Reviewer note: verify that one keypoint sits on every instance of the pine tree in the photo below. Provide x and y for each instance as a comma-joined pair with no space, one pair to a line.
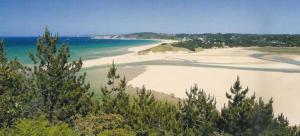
244,115
143,113
114,98
280,127
13,89
262,117
108,91
3,58
236,118
106,100
166,118
112,76
237,94
61,91
198,113
122,99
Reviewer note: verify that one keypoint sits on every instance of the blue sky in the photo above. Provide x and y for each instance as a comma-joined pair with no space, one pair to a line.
77,17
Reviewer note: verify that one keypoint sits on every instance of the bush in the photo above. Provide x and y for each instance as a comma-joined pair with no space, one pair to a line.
117,132
38,127
95,124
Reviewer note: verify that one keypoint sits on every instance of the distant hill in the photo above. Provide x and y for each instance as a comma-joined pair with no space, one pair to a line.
210,40
142,35
150,35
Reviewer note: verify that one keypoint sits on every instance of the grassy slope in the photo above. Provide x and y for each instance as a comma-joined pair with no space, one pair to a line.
163,48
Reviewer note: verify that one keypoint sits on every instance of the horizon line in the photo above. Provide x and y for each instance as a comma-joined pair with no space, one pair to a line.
90,35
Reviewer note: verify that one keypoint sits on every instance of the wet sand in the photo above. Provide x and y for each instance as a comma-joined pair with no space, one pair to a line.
97,76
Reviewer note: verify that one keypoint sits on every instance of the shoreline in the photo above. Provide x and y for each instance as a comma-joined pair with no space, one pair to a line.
132,56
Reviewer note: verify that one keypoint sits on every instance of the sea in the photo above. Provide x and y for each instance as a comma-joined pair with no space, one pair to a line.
80,47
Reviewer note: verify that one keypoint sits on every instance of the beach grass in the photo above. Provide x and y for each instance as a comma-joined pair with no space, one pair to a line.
278,50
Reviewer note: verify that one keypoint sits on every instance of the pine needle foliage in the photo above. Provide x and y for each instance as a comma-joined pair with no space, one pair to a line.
14,89
199,113
62,93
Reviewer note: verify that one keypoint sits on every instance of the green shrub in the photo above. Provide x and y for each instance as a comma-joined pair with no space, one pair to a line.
38,127
117,132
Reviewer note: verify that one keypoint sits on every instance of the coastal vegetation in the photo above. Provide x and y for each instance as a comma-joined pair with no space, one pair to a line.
237,40
164,47
53,98
278,50
228,39
194,42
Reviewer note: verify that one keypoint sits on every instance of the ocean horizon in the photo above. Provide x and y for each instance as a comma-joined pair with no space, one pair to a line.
85,48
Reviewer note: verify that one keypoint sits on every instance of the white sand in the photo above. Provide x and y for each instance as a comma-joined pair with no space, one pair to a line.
283,87
129,57
219,73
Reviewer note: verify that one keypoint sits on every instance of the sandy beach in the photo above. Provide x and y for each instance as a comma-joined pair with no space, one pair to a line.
133,56
215,70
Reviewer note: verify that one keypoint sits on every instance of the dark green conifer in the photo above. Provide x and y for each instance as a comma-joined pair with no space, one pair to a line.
3,58
198,113
143,111
237,94
280,127
109,90
61,91
114,97
122,99
244,116
166,118
112,76
14,89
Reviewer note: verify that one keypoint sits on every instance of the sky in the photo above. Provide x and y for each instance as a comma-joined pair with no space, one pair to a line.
81,17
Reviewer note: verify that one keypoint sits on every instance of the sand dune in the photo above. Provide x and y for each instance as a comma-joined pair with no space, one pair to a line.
283,87
215,70
140,48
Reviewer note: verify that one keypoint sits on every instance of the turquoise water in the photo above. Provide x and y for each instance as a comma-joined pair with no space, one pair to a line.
83,47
